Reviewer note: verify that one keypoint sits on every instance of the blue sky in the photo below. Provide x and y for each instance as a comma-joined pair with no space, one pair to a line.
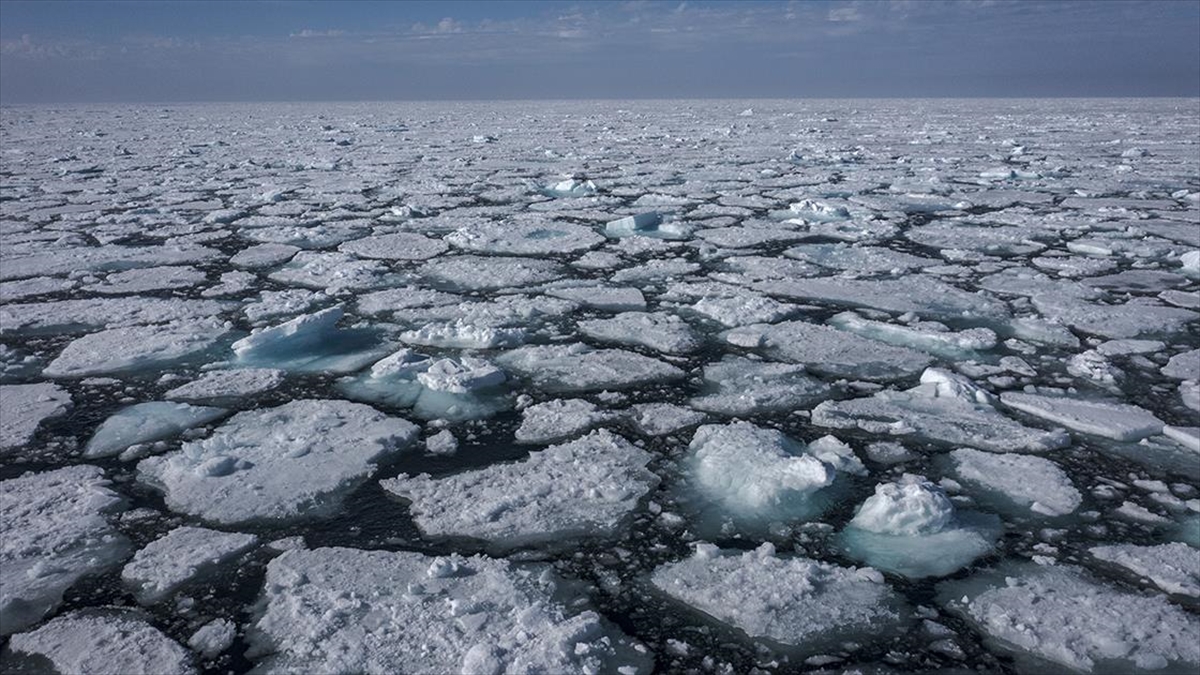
60,51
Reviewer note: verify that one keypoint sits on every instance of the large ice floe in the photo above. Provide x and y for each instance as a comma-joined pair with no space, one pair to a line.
585,487
57,527
946,408
791,600
936,338
911,527
292,461
348,610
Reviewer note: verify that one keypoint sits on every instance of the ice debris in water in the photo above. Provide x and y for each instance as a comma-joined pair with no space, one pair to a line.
582,488
341,609
105,642
792,600
1060,614
56,528
559,419
910,527
462,388
169,562
146,422
829,351
295,460
945,407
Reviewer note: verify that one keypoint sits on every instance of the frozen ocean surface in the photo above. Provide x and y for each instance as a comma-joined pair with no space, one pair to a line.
601,387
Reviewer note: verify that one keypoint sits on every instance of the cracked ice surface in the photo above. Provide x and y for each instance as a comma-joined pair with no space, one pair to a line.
205,288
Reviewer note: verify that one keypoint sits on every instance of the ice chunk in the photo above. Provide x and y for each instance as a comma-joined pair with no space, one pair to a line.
311,343
111,642
921,295
136,348
910,527
559,419
287,462
213,638
648,224
457,389
792,600
333,272
65,260
25,406
341,609
1060,614
1124,347
533,239
568,368
181,555
927,336
582,488
736,385
146,422
660,419
1188,437
659,331
570,187
945,407
1023,481
1118,421
757,474
1173,567
227,386
264,255
1129,320
396,246
742,309
829,351
56,528
442,443
463,334
1185,366
861,259
150,279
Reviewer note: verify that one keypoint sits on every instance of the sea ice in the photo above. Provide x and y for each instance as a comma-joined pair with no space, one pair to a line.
146,422
927,336
136,348
569,368
396,246
213,638
606,298
460,388
926,297
532,239
1185,366
792,600
1023,482
378,612
1059,614
479,273
1173,567
582,488
656,330
105,642
1118,421
25,407
310,343
946,408
176,558
56,528
910,527
829,351
227,387
660,419
559,419
287,462
736,385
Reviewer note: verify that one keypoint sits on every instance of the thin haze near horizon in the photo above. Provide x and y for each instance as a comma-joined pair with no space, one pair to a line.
106,51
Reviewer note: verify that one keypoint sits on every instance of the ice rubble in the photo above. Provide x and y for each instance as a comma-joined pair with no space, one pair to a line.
736,385
570,187
910,527
310,343
25,407
460,388
1060,615
105,642
1118,421
136,348
1020,483
791,600
757,475
291,461
347,610
659,331
829,351
146,422
577,367
582,488
171,561
1173,567
946,408
57,528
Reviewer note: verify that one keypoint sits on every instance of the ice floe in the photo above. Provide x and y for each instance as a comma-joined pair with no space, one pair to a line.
178,557
460,388
736,385
137,348
583,488
311,343
105,642
26,406
568,368
295,460
1118,421
1174,567
227,387
829,351
146,422
658,331
1019,482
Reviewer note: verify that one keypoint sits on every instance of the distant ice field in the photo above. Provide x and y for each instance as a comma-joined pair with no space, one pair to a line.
601,387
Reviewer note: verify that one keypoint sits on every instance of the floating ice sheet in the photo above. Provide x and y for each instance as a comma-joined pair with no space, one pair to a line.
1020,482
106,642
136,348
178,557
568,368
829,351
736,385
25,407
1118,421
146,422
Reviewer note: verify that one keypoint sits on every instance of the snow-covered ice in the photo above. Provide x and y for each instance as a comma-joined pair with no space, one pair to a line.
1019,481
105,642
167,563
1173,567
25,407
570,368
146,422
136,348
